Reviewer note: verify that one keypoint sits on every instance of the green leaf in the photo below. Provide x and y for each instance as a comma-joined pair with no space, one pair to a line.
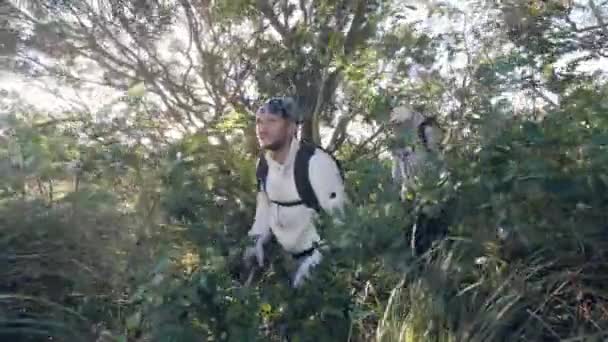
134,321
137,90
563,187
548,71
532,132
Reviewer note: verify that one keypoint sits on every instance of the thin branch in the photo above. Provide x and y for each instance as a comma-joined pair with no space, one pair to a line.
170,93
264,7
339,133
189,57
304,12
318,105
591,28
355,26
285,7
194,26
149,76
532,85
359,148
598,16
55,71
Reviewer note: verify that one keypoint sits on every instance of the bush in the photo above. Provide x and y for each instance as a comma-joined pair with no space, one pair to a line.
522,261
524,257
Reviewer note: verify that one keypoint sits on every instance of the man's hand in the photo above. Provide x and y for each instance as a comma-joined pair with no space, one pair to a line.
305,267
256,250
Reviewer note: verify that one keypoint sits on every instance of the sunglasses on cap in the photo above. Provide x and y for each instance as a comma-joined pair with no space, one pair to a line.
277,106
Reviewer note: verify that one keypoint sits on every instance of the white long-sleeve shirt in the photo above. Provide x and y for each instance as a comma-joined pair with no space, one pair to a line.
293,226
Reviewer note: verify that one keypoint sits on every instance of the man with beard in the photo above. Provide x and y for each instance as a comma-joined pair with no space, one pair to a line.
296,181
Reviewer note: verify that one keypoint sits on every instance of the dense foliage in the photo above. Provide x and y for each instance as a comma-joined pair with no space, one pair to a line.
123,218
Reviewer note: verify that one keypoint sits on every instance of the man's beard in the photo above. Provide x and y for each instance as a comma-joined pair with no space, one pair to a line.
275,145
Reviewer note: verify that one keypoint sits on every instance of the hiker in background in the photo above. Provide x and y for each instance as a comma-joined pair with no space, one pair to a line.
296,181
417,145
417,162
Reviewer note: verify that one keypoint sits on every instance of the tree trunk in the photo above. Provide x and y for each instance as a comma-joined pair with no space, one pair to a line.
51,190
309,128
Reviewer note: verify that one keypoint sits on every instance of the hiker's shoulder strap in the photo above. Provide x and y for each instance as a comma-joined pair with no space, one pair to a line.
302,175
302,172
261,172
422,135
331,155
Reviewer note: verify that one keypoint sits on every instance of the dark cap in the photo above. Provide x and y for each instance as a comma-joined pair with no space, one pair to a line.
283,106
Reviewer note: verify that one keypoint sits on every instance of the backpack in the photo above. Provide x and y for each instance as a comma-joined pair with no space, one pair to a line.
303,186
428,122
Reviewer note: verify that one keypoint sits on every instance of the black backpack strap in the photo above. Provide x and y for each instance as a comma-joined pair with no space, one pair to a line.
338,164
301,175
261,172
429,121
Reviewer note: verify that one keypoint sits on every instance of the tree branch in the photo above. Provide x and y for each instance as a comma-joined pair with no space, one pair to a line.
304,12
598,16
339,133
354,31
532,85
360,147
264,7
